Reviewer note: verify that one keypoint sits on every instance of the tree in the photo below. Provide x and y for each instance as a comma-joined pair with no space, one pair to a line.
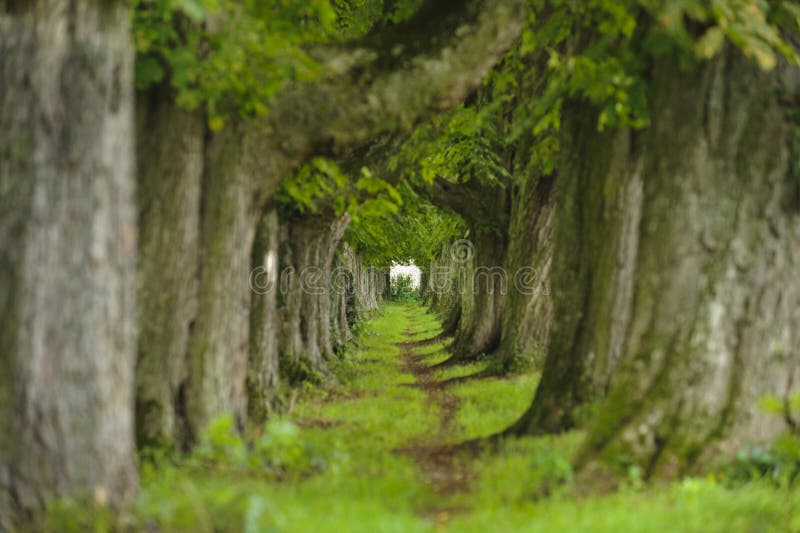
674,251
484,284
305,342
459,159
527,308
367,88
713,304
68,241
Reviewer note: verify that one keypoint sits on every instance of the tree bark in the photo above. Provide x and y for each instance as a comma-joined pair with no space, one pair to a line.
715,317
597,197
238,178
67,256
305,305
673,273
480,262
527,308
342,304
171,161
484,289
424,294
370,285
262,370
445,289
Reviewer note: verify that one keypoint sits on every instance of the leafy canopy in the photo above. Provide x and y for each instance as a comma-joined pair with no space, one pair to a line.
230,57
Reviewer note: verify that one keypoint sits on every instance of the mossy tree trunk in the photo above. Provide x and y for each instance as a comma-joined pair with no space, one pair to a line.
67,256
342,308
595,236
344,276
424,294
527,308
370,284
200,205
480,264
445,286
715,315
232,202
171,162
482,295
689,311
304,307
355,291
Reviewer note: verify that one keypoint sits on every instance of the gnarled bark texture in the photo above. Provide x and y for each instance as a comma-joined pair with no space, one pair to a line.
369,282
597,196
445,284
343,303
67,255
355,290
233,197
481,261
482,295
715,317
681,245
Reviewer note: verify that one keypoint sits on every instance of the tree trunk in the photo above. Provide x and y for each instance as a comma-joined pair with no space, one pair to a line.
370,285
715,314
67,256
445,288
527,309
476,266
307,256
424,295
484,289
262,370
239,177
170,149
673,276
344,277
595,235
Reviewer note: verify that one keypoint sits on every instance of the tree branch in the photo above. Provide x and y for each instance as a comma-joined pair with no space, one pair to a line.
473,201
393,78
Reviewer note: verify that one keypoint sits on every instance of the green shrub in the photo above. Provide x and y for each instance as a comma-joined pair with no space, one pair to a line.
401,289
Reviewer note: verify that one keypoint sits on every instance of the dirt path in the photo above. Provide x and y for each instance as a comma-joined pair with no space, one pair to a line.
443,461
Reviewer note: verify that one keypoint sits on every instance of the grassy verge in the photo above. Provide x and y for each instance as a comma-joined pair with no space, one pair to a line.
343,461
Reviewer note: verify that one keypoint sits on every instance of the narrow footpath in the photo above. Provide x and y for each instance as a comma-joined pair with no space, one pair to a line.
390,433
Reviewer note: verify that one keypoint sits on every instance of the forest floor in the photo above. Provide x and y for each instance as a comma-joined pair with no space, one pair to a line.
381,451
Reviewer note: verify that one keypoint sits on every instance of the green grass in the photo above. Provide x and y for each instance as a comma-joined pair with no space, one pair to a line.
339,462
488,406
693,505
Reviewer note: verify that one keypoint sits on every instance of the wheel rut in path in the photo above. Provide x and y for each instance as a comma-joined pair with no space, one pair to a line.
442,460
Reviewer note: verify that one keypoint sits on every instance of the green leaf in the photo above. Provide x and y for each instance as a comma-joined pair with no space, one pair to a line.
148,72
710,44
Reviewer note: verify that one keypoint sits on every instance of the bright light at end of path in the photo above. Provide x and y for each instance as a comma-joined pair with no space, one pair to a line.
406,270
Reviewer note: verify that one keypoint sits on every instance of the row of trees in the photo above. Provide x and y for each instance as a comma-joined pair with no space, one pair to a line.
654,206
642,167
131,219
